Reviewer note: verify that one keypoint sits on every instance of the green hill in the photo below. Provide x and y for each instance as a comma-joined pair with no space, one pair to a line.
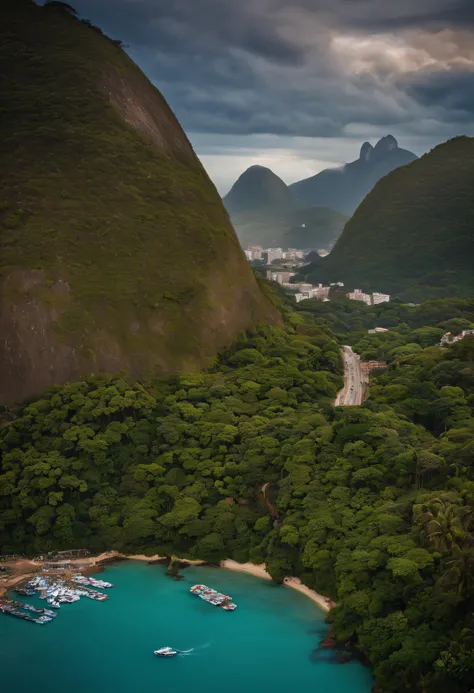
264,212
117,252
258,190
413,235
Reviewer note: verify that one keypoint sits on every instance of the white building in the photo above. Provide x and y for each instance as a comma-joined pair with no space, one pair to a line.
273,254
377,329
254,252
380,298
358,295
280,277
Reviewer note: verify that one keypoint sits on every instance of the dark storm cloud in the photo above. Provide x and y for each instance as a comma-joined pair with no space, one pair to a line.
452,92
302,68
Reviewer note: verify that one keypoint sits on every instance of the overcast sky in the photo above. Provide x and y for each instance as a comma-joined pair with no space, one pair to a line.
298,85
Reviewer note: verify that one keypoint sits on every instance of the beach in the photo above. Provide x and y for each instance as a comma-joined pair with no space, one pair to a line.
156,557
259,570
24,568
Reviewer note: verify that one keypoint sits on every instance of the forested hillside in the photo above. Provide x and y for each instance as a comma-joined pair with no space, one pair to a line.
375,502
116,250
412,235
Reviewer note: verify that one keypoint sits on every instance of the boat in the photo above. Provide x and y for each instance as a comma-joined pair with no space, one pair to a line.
165,652
208,594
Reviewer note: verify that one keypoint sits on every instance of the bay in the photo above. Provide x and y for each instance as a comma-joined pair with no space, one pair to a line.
267,643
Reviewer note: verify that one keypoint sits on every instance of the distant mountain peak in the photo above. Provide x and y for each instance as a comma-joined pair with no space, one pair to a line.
386,144
345,191
258,188
366,151
257,167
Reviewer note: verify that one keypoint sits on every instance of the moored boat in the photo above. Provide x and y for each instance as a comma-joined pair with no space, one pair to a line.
208,594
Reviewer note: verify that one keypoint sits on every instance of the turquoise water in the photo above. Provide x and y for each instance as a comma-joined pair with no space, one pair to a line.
94,647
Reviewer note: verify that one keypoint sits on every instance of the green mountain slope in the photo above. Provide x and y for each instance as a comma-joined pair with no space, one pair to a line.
413,235
117,252
258,190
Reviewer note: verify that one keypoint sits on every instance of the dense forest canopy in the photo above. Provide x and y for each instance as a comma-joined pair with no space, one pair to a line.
375,502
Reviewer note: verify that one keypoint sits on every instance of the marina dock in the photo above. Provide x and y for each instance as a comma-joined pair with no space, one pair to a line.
56,591
27,612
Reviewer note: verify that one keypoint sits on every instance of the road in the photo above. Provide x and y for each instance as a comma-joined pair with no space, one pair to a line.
271,508
354,388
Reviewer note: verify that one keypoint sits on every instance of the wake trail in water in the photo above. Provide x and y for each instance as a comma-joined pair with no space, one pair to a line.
193,649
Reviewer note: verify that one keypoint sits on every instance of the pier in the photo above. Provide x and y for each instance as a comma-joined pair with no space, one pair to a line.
26,611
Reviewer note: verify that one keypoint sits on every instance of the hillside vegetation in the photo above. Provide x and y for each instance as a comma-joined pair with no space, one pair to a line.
375,503
413,235
116,251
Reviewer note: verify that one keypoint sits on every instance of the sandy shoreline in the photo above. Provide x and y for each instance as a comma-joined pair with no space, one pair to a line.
258,570
292,582
24,568
156,557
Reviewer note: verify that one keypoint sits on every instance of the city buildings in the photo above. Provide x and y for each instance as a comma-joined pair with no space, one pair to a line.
369,299
284,261
254,252
271,254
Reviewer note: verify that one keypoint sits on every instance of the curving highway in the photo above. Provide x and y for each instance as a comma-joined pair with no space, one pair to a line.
353,391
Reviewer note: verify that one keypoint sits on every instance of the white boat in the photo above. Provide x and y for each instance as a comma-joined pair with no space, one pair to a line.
165,652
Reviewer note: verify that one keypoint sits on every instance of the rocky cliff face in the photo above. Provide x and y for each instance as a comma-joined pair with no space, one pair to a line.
117,253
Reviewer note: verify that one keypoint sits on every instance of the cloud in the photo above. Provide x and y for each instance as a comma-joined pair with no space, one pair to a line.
300,69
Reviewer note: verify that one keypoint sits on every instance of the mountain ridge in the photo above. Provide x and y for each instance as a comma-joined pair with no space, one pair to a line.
117,251
344,188
413,235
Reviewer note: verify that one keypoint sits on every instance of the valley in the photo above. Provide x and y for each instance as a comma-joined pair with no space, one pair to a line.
302,411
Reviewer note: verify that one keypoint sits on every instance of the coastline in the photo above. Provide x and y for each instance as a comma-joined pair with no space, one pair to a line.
257,570
156,557
294,583
24,568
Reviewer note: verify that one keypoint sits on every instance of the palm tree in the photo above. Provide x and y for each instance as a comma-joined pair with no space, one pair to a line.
460,571
448,524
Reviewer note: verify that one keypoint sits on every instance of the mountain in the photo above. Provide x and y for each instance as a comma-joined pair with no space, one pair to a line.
258,189
263,212
344,188
413,235
117,253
